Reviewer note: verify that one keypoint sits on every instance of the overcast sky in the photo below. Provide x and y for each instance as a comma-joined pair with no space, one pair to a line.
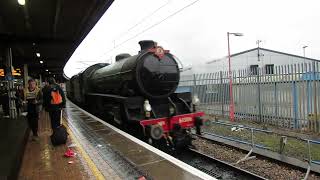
196,30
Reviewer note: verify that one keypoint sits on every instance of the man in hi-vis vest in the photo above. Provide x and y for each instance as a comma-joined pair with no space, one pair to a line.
33,98
54,101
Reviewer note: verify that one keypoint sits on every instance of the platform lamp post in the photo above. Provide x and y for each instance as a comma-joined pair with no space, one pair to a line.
304,61
314,78
304,52
231,105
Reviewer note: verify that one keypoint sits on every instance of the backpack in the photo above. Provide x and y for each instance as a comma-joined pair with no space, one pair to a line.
59,136
56,97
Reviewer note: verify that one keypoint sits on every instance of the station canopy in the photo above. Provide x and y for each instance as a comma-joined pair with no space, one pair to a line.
52,28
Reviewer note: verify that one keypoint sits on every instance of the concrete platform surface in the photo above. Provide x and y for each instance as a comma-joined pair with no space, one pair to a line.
44,161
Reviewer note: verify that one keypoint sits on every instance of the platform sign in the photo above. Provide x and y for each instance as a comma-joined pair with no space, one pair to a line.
15,72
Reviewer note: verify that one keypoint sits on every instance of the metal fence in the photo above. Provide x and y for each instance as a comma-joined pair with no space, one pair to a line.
286,96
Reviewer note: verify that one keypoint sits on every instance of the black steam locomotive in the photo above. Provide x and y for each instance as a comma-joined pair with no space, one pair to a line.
137,93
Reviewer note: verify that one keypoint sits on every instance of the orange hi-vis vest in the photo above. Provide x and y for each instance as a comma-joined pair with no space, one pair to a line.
56,97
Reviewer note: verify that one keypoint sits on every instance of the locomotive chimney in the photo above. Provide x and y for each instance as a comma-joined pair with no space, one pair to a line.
147,44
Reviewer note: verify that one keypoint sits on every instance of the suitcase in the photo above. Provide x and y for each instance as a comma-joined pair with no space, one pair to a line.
59,136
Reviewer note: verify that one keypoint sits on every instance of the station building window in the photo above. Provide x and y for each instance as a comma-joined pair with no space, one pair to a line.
269,68
254,69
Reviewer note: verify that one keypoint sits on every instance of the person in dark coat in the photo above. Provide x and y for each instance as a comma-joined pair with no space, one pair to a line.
19,99
45,91
53,104
4,100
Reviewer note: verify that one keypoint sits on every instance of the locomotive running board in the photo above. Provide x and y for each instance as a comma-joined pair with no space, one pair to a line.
117,97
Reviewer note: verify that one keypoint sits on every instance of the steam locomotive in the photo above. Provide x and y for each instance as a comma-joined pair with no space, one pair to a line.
137,93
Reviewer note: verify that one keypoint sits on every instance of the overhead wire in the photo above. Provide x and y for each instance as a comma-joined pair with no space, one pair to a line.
142,20
137,24
152,26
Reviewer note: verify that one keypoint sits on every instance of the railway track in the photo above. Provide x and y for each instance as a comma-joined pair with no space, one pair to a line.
215,167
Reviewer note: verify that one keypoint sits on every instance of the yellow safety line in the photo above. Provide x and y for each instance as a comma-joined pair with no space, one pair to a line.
96,172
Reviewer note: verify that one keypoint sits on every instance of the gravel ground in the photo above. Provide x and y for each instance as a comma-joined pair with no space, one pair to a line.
294,147
260,166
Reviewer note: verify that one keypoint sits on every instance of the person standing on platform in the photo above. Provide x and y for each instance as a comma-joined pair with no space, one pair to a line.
45,90
54,101
4,100
33,98
19,99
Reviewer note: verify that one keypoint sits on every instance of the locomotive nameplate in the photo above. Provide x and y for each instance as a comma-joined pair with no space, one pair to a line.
185,119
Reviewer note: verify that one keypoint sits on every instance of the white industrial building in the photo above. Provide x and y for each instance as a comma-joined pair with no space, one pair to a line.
252,59
276,87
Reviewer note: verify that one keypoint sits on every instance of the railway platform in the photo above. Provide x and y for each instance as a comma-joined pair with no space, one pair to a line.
101,152
41,160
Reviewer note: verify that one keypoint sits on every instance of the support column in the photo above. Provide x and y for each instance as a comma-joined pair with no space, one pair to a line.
11,89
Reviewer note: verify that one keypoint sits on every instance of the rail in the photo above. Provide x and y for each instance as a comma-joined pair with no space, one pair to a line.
243,172
253,145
